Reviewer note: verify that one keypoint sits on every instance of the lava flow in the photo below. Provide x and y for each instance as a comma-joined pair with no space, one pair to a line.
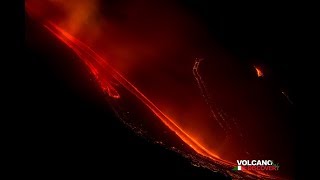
102,71
106,76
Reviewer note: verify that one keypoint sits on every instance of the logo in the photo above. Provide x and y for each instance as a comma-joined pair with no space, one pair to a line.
256,165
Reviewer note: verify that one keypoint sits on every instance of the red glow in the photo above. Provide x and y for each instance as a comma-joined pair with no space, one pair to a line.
259,72
105,75
103,71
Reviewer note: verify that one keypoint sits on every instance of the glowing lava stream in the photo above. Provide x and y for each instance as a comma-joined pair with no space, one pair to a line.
100,68
104,73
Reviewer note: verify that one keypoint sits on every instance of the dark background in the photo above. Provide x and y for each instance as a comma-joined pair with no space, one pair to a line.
74,133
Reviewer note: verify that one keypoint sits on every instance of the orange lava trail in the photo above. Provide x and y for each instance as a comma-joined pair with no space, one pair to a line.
219,114
104,73
100,68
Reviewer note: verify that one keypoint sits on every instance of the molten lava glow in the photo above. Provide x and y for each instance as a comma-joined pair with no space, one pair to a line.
102,71
106,76
258,71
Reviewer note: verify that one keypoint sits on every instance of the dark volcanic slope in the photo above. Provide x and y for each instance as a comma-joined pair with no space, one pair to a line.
75,133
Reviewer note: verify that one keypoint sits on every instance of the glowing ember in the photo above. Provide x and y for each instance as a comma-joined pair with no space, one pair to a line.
259,72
